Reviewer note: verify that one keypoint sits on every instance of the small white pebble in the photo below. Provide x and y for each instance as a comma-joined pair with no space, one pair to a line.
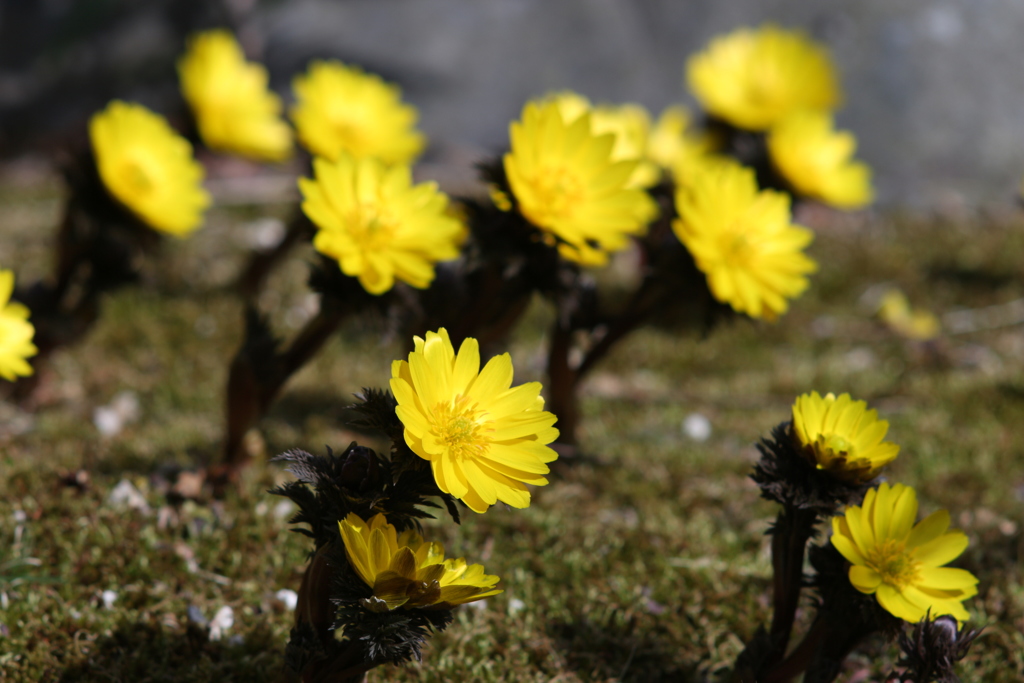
107,421
125,494
284,509
289,597
221,622
19,516
515,606
264,233
108,597
697,427
123,409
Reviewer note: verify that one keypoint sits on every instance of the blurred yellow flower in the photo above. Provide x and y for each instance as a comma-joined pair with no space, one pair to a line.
16,332
842,436
485,439
405,571
377,224
566,181
816,160
148,167
234,110
341,108
753,78
895,311
742,240
900,563
672,138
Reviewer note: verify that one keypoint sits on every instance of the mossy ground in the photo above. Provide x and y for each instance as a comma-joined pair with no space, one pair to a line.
645,561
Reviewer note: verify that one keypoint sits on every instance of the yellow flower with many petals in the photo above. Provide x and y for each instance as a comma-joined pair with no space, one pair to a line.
567,182
485,439
16,332
900,563
405,571
341,108
816,160
377,224
234,110
742,240
754,78
148,167
842,436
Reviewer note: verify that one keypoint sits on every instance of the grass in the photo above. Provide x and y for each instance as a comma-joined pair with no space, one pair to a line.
647,561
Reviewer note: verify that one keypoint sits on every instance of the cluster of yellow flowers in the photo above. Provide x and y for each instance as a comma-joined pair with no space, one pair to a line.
783,83
899,562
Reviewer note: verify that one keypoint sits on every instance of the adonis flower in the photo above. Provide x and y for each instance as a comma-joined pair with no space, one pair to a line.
816,160
566,181
842,436
377,224
16,332
754,78
742,240
234,109
341,108
484,438
405,571
900,563
148,167
913,323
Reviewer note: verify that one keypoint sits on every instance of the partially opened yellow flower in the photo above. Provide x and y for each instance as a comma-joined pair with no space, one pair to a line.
567,182
912,323
742,240
485,439
405,571
817,160
341,108
16,332
753,78
900,563
235,111
842,436
377,224
148,167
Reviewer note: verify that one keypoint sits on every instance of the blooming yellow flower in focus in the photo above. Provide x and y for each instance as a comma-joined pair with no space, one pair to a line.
485,439
900,563
341,108
16,332
148,167
567,182
816,160
234,110
377,224
753,78
842,436
405,571
742,240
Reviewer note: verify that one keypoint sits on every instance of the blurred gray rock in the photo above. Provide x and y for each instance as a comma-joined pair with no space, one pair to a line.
935,88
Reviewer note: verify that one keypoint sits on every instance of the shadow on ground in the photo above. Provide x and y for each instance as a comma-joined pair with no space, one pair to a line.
145,652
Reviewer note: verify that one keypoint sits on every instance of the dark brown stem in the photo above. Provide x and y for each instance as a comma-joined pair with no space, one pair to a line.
798,660
262,263
563,381
793,528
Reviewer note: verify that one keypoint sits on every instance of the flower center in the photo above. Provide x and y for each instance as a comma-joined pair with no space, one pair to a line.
896,566
136,178
460,427
734,245
836,443
372,227
558,191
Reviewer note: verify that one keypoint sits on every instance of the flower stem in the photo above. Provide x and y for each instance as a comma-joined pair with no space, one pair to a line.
793,529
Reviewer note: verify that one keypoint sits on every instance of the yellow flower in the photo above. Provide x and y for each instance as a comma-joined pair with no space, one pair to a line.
405,571
148,167
16,332
341,108
816,160
377,224
234,109
896,313
485,439
753,78
567,182
673,142
742,240
900,563
629,123
842,436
